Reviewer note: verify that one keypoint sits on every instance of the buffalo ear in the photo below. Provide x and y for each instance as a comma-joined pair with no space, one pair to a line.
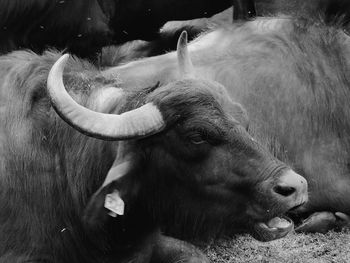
95,215
100,209
184,60
107,205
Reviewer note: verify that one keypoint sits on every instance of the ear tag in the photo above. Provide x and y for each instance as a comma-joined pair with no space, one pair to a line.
114,204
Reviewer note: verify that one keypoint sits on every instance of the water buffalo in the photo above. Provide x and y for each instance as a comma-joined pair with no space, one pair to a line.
330,10
291,75
183,153
170,32
84,26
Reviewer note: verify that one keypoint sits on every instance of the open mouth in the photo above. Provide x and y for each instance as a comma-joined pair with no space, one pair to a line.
277,223
275,228
278,226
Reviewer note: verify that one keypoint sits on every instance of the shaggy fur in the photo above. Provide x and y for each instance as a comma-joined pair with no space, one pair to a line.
48,170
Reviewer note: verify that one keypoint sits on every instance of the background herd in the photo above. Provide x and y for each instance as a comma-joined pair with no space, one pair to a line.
139,140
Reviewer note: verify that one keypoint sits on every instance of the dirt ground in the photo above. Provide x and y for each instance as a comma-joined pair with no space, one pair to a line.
295,248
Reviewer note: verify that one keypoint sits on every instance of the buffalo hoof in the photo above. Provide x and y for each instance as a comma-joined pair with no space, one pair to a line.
343,220
273,229
321,222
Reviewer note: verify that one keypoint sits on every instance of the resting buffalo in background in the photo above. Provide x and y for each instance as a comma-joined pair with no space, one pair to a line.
170,32
333,12
84,26
292,77
184,153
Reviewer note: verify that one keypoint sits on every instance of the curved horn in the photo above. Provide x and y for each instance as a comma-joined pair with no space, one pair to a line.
184,60
141,122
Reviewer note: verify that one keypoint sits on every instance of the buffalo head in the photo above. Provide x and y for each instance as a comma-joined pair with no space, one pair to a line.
186,155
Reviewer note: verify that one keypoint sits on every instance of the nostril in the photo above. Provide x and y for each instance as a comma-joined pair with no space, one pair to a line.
284,190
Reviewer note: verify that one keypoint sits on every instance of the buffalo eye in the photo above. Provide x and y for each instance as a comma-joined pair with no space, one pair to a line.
197,138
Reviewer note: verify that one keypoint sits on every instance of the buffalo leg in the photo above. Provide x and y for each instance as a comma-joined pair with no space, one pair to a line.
171,250
322,222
